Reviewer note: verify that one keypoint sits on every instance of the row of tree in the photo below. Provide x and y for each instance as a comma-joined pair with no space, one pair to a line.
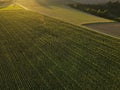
110,10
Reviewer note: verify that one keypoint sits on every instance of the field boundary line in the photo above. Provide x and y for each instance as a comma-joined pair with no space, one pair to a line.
22,6
82,25
99,32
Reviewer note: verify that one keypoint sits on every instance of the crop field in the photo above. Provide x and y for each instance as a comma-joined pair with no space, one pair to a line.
61,11
11,7
42,53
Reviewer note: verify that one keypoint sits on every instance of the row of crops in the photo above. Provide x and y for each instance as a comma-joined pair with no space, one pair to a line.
41,53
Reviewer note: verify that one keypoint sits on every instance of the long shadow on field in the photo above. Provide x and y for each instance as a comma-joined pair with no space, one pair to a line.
49,3
44,3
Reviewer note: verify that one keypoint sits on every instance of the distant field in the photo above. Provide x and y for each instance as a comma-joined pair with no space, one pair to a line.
108,28
41,53
60,11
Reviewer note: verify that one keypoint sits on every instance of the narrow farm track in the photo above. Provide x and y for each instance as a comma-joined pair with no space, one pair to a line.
41,53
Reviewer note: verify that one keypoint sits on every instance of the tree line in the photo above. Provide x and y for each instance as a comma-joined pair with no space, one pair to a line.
110,10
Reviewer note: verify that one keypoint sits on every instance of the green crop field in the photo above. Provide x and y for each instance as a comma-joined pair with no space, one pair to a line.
41,53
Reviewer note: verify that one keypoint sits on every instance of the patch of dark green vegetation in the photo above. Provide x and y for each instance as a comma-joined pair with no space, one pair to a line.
41,53
110,10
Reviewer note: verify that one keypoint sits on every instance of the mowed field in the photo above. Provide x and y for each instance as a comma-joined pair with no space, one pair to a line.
41,53
108,28
60,10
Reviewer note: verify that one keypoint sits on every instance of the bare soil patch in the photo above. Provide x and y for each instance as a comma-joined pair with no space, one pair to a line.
108,28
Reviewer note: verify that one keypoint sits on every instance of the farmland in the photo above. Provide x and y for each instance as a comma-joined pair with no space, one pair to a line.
57,9
108,28
41,53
